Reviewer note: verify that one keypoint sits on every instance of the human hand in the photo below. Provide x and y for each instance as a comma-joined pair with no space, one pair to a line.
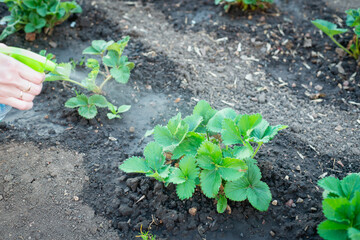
19,84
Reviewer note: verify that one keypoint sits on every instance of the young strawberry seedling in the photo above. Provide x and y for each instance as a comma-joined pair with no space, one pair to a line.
210,149
113,65
341,207
331,29
35,15
244,4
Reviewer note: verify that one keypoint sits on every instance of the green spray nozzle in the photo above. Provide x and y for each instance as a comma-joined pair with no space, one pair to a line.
35,61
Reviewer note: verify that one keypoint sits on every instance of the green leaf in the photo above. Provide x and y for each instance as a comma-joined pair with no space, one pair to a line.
98,100
354,233
264,133
193,121
246,123
100,45
188,146
88,112
215,123
29,28
331,230
78,101
134,165
188,172
177,176
338,209
350,184
332,185
353,17
92,63
172,135
119,46
208,155
112,59
249,186
32,4
185,190
328,28
237,190
123,108
221,204
204,110
232,169
230,133
210,182
42,10
121,74
113,116
259,196
355,203
153,153
149,132
243,152
91,51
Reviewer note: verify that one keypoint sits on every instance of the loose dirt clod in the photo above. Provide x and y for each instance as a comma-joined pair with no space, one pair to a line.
192,211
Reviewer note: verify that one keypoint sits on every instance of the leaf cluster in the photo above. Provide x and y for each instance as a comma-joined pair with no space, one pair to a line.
34,15
341,207
331,29
211,149
244,4
112,65
87,106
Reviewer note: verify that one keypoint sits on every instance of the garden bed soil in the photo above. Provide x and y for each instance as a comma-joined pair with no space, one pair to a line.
59,177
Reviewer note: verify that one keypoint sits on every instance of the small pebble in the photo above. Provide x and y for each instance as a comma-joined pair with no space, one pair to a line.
8,178
275,202
1,197
299,200
272,233
192,211
338,128
313,209
318,87
287,177
298,168
132,129
76,198
289,203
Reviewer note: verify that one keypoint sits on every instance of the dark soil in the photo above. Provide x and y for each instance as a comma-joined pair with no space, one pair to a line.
188,50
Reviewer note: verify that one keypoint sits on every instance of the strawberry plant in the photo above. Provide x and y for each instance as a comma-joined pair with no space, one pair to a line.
244,4
212,150
341,207
112,66
331,29
35,15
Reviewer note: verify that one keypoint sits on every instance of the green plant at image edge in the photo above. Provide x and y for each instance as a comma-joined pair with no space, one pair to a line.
341,207
36,15
331,29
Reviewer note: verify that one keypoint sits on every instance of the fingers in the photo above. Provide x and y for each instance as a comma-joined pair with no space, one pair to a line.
27,86
11,68
14,92
30,74
16,103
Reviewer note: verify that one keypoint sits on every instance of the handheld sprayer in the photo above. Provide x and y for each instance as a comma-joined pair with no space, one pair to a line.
35,61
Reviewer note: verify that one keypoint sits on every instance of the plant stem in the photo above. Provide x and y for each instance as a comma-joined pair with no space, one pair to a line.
108,78
74,82
257,149
357,47
341,46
